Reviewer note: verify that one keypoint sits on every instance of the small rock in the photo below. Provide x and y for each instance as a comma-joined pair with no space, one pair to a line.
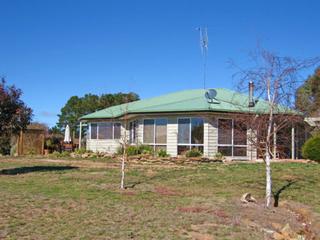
301,237
277,236
288,233
276,226
246,198
268,231
85,155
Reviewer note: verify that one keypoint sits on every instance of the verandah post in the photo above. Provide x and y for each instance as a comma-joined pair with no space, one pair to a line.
80,135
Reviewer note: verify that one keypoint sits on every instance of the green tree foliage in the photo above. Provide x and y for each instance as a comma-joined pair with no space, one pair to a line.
79,106
14,115
308,95
311,148
54,131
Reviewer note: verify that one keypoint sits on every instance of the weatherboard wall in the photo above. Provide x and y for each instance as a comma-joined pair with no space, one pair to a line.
99,145
212,137
172,136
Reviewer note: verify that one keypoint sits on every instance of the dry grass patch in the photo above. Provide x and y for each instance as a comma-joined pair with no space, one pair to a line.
160,202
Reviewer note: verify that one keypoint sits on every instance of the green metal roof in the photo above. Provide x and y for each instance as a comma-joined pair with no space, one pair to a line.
184,101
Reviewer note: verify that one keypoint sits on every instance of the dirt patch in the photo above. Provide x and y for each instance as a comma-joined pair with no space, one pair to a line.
289,221
220,213
128,193
165,191
200,236
217,212
193,209
308,218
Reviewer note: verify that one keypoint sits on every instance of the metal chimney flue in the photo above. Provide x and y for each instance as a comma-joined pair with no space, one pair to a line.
251,89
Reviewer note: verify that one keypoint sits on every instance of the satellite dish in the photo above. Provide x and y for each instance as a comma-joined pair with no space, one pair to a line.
211,96
212,93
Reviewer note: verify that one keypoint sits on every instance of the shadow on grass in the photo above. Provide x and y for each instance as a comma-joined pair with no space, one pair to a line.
132,185
24,170
277,194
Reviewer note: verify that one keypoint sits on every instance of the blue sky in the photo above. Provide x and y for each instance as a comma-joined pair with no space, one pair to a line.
56,49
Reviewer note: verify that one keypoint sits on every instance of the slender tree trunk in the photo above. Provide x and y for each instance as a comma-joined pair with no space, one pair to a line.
124,154
267,161
122,168
268,180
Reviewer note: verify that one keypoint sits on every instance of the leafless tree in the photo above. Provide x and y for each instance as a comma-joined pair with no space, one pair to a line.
275,79
124,144
122,114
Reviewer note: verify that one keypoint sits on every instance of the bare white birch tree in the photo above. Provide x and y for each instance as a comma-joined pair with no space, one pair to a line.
122,114
124,145
275,79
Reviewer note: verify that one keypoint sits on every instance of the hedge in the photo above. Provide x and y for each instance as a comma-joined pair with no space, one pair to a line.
311,148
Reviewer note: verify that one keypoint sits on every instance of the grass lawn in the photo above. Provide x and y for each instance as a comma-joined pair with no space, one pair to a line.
58,200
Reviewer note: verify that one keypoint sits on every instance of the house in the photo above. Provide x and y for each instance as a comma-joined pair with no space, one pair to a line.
313,121
205,119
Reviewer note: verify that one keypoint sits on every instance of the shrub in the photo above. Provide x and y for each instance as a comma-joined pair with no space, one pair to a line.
57,154
53,143
80,151
31,152
311,148
145,149
218,156
4,145
136,150
162,153
193,153
132,150
65,154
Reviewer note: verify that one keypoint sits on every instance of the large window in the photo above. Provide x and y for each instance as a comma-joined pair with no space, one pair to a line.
155,133
93,130
133,131
190,134
105,130
116,130
232,138
148,131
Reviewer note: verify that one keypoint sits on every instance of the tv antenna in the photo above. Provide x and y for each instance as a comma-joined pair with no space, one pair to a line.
204,51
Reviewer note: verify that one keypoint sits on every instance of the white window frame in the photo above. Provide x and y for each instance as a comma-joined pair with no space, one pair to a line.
190,145
232,145
154,144
113,123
